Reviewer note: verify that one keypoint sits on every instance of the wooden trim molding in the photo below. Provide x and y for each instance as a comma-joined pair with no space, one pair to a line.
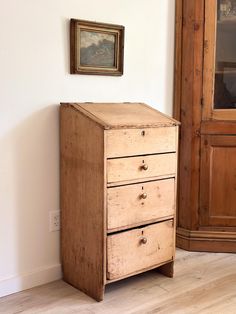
219,127
206,240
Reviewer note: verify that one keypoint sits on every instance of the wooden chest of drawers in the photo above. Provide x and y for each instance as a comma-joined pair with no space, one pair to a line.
118,190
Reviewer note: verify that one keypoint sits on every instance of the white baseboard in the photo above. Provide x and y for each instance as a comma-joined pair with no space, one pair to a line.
29,280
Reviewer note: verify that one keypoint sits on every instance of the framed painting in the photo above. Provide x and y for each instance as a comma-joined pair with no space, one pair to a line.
96,48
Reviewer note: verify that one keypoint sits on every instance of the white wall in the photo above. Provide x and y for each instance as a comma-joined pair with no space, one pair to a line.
34,79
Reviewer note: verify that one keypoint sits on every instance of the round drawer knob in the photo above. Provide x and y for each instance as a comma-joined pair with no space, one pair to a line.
143,196
145,167
143,240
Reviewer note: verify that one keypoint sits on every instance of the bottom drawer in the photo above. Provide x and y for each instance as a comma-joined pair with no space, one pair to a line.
139,249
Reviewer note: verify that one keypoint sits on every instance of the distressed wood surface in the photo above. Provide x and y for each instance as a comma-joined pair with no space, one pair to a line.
126,169
131,142
124,115
86,178
82,202
127,252
126,206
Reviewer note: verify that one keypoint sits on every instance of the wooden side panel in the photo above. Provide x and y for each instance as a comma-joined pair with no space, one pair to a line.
218,181
138,255
82,202
191,94
130,142
125,169
126,205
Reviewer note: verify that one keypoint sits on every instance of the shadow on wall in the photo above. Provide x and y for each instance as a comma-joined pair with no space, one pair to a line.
34,191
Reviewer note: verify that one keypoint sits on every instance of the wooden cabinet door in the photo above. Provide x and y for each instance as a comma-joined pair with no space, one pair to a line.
218,181
219,73
218,127
205,103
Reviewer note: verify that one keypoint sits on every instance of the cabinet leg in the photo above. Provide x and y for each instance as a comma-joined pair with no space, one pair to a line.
93,290
98,295
167,269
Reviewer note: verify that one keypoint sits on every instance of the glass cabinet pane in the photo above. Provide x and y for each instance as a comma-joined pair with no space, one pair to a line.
225,66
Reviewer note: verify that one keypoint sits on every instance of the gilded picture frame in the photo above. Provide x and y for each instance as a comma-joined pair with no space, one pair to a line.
96,48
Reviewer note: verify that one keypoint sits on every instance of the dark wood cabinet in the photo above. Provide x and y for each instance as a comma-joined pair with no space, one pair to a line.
205,103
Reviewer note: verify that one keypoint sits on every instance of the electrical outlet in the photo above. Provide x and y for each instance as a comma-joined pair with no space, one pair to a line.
54,220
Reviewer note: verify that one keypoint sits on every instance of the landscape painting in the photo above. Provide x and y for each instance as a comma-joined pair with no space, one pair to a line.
96,48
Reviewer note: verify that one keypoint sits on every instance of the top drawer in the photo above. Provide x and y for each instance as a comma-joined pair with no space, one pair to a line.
131,142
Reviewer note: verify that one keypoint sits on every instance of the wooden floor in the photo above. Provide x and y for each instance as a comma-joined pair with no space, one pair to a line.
203,283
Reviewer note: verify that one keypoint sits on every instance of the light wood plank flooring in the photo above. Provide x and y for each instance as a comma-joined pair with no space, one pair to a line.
203,283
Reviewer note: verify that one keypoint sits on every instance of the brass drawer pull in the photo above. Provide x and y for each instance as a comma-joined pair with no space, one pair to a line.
143,196
145,167
143,240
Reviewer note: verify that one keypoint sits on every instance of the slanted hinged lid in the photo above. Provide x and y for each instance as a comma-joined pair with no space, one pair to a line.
124,115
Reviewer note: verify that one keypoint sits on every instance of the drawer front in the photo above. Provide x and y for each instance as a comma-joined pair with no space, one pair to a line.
139,249
133,168
134,204
130,142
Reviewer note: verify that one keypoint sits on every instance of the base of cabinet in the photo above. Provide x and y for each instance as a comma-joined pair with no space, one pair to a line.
98,294
206,241
167,269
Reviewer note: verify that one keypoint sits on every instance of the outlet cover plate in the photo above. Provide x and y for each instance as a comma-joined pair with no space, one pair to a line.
54,220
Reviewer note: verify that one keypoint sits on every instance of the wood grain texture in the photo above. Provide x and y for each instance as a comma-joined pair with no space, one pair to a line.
218,181
82,202
131,142
209,58
218,127
123,259
224,114
191,93
203,283
206,172
126,206
91,208
124,169
125,115
178,59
